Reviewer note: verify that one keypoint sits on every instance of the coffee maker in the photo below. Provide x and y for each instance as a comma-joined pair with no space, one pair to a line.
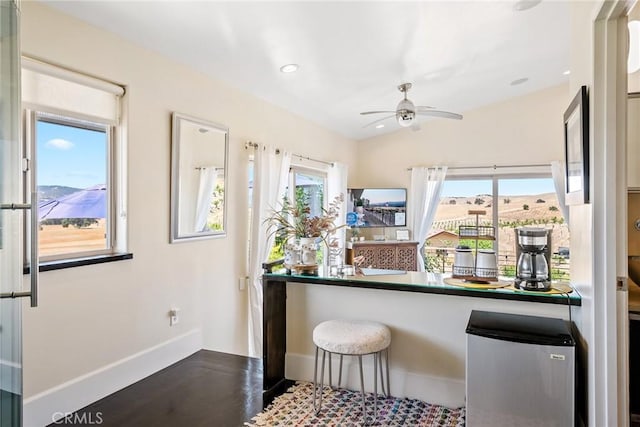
533,250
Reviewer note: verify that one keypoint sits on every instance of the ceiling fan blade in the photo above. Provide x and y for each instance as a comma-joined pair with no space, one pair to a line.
424,107
376,112
378,121
439,113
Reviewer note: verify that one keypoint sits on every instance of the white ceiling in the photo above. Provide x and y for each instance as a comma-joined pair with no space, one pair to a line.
459,55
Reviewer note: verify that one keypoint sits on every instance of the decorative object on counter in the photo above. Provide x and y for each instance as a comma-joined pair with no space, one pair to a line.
294,223
294,408
532,268
483,268
402,235
576,149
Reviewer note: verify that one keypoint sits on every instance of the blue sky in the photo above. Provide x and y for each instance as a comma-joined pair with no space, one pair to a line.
70,156
507,187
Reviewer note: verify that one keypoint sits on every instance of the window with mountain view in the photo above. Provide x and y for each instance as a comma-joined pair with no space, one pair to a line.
74,141
72,181
516,202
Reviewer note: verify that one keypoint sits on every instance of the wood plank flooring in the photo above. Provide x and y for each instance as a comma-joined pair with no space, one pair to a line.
205,389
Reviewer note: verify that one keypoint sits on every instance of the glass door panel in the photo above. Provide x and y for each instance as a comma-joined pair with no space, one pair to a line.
10,219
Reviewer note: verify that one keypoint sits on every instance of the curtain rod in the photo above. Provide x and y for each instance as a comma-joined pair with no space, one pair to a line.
494,167
255,145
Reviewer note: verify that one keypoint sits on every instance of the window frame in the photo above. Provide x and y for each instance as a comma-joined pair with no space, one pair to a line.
31,118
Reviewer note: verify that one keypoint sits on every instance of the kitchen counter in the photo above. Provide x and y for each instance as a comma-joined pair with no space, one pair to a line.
431,283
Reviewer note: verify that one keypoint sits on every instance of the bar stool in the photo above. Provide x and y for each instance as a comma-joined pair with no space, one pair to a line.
352,338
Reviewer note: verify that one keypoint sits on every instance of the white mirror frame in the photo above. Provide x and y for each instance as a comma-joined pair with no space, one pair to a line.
185,174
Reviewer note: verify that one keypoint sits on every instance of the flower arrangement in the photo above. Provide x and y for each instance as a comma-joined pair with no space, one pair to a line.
295,221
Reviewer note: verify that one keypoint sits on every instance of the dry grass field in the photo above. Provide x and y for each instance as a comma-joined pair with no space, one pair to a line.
453,212
55,239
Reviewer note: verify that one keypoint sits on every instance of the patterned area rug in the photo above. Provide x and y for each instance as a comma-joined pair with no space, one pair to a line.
344,408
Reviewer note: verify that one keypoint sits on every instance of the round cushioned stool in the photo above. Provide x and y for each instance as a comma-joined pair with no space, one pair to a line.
352,338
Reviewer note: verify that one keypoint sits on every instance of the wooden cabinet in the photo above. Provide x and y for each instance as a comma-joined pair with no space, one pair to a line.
392,255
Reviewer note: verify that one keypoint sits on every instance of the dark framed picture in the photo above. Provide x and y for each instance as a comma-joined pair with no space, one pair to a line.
576,149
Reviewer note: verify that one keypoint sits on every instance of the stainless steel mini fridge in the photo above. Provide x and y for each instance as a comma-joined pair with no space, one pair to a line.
520,371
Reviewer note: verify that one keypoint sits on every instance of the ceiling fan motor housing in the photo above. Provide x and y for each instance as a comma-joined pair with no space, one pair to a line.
405,113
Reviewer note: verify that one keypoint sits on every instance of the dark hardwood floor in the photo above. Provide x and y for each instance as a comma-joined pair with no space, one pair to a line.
206,389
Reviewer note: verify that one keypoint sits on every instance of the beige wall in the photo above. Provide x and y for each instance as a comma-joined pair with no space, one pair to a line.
92,316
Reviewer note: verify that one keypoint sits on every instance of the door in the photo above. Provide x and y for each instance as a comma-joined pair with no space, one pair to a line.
12,212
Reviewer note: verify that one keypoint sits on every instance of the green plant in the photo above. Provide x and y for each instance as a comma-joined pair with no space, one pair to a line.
294,220
525,207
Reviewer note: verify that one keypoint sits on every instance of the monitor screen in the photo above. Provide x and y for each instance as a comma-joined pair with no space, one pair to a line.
377,207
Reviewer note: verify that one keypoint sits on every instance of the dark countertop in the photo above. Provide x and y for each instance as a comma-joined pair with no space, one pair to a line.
432,283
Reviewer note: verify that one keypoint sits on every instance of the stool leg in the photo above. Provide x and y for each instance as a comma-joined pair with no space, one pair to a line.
324,353
340,372
386,351
379,364
364,407
315,380
376,356
330,374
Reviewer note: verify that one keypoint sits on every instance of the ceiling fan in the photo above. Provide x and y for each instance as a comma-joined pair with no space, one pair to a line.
406,111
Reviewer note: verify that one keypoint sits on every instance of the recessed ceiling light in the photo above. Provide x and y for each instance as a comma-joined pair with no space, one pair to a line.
522,5
380,126
566,73
289,68
519,81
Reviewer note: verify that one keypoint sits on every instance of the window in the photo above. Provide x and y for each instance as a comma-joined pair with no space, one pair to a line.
72,135
510,202
72,174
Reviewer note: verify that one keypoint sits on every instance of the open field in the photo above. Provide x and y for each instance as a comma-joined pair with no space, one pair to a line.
55,239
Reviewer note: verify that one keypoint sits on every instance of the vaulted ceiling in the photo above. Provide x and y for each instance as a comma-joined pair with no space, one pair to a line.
459,55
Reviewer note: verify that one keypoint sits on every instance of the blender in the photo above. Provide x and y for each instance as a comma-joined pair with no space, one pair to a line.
532,269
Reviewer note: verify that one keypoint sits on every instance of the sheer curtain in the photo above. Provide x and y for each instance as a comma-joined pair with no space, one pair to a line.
270,178
208,176
559,182
425,190
336,185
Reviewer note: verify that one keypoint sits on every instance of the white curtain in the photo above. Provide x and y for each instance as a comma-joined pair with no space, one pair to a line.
270,178
208,176
425,190
559,182
336,185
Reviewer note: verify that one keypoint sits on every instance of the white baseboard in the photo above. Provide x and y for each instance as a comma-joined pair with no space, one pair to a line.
448,392
53,404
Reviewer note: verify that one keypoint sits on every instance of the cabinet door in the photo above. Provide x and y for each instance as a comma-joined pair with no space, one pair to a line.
387,257
406,259
369,254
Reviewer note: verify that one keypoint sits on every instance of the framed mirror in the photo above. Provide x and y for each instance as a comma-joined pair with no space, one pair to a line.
199,151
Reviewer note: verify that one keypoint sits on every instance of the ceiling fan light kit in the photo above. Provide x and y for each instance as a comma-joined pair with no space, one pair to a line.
406,111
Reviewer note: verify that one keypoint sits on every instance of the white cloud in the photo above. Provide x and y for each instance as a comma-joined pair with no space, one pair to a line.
60,144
